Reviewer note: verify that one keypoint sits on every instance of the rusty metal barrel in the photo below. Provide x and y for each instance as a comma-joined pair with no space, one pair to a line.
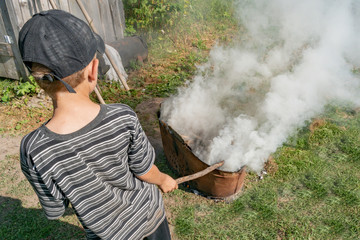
217,184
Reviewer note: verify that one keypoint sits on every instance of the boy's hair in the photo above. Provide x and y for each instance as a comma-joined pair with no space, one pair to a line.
38,71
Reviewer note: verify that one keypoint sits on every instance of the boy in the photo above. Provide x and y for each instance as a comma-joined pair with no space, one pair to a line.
94,156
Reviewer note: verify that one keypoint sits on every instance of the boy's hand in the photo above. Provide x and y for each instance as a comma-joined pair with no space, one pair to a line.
164,181
168,185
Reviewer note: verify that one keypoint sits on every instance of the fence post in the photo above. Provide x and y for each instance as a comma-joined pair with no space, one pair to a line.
7,9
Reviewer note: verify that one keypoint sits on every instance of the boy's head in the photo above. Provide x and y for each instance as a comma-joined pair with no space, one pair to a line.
58,45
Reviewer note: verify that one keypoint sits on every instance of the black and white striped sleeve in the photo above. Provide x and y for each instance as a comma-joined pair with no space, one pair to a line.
54,206
141,152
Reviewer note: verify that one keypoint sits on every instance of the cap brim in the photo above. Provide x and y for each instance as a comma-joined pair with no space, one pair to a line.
100,44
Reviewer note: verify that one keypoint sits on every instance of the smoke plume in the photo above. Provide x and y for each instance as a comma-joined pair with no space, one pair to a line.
291,59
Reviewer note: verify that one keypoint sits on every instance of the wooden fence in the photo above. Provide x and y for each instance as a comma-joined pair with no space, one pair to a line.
107,15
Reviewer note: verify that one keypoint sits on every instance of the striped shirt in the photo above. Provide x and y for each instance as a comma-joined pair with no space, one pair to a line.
94,168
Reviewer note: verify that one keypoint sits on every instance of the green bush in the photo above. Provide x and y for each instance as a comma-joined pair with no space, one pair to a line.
10,89
149,14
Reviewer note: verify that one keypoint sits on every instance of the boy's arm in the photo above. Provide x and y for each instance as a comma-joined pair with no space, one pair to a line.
164,181
141,160
53,207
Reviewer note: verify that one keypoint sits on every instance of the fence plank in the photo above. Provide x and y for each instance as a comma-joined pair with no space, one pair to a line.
42,5
20,18
8,67
2,68
64,5
2,28
122,17
30,7
5,49
107,22
34,8
10,25
13,65
92,9
117,14
13,18
75,10
25,10
3,72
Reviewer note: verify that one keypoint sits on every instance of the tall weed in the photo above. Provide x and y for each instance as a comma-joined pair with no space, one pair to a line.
147,15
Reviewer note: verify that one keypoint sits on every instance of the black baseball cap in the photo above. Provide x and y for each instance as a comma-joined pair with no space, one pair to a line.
60,41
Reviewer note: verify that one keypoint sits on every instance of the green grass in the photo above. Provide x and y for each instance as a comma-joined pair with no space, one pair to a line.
314,194
24,219
30,223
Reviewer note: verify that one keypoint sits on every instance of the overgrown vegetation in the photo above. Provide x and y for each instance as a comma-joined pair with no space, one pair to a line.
311,191
144,15
11,89
150,15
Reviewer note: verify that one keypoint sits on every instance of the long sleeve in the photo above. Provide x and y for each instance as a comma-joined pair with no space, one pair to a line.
141,153
53,204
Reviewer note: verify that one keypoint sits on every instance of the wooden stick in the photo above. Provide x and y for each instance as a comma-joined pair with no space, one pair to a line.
199,174
90,21
98,88
53,4
101,100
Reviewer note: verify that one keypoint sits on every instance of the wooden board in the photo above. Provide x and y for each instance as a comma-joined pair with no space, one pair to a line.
75,10
5,50
2,28
7,64
63,5
13,18
9,67
25,9
3,72
106,20
13,65
20,18
42,5
92,9
3,60
117,13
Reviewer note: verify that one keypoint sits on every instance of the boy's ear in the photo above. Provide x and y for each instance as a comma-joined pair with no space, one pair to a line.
93,73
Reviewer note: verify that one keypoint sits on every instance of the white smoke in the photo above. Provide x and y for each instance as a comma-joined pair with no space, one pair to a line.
293,59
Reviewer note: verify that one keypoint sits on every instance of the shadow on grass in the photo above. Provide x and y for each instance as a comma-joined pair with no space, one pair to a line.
17,222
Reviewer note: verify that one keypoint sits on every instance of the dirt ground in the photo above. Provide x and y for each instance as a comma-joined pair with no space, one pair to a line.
18,119
147,112
9,146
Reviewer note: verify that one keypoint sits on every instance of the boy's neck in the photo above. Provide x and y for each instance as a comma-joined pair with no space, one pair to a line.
66,100
72,112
